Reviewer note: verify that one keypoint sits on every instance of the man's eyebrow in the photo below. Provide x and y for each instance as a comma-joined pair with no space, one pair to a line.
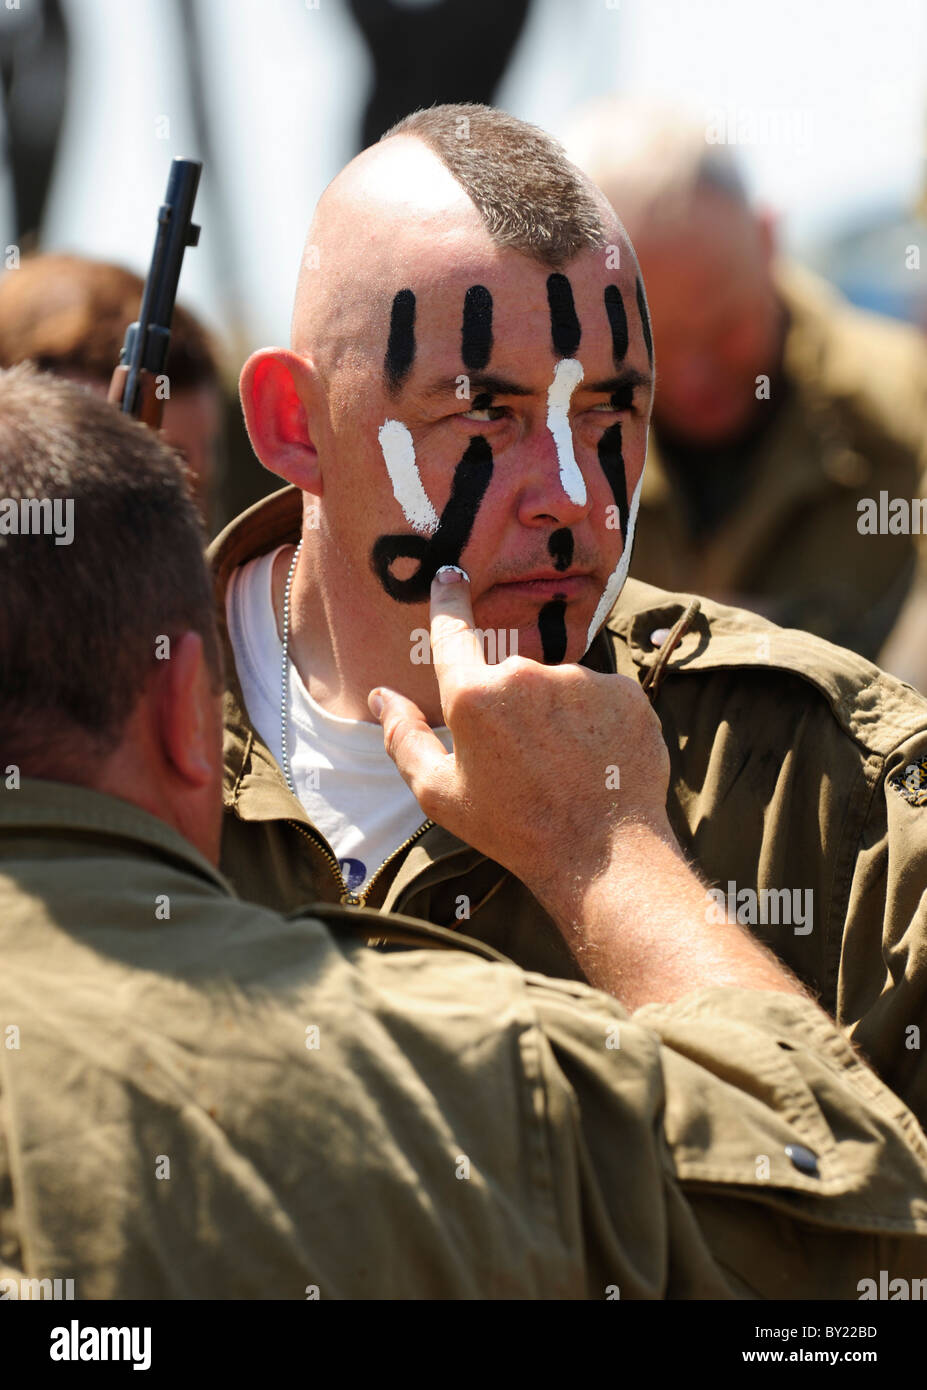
479,384
620,382
484,383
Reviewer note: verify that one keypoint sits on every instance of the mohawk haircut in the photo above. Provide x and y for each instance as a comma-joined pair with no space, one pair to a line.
529,195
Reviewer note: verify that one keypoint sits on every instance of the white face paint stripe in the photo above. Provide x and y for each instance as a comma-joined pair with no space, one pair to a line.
619,575
567,375
399,457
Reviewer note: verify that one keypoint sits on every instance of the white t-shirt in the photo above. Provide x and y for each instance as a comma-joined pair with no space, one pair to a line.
347,782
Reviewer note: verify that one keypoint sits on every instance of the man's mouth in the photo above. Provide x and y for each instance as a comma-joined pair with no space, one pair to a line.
545,584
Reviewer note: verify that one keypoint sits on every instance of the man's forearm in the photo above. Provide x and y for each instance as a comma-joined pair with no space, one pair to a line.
639,928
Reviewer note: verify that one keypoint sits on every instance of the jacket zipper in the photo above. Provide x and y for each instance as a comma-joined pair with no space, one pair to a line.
348,898
360,900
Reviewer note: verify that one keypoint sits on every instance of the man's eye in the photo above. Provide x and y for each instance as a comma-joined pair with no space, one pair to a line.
622,399
484,413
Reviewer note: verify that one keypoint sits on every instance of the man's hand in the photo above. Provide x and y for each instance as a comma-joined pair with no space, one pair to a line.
549,762
560,774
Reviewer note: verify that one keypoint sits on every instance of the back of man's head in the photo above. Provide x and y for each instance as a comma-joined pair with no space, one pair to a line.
101,572
68,315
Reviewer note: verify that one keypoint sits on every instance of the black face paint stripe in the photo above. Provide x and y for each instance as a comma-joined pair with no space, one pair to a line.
645,319
617,322
565,331
560,548
400,349
552,630
471,479
476,330
623,398
612,461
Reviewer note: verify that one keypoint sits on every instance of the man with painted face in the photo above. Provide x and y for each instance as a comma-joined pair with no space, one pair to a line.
469,386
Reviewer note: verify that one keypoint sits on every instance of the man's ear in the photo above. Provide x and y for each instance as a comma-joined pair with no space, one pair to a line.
187,721
270,385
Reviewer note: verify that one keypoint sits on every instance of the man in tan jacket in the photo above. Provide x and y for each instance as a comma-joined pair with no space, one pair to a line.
789,435
469,383
200,1098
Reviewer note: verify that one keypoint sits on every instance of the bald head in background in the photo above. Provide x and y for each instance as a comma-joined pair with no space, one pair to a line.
469,382
781,411
707,256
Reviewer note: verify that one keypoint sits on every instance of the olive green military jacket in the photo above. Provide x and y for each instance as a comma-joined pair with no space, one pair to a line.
798,787
854,426
200,1098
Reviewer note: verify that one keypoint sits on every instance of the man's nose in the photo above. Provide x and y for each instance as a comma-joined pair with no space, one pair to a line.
553,488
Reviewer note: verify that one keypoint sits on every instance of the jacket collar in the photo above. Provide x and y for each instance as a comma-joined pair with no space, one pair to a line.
253,783
45,806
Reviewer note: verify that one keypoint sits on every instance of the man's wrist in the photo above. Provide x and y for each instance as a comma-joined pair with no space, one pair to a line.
639,925
576,893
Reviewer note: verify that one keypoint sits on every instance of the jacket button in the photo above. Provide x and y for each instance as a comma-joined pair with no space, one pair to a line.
659,636
803,1159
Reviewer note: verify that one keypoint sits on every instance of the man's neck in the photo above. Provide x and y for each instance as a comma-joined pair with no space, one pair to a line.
342,651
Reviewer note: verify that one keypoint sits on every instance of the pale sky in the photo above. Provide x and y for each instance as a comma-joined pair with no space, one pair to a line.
286,83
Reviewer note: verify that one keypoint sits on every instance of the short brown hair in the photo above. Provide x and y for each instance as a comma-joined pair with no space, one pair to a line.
529,195
80,620
69,314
